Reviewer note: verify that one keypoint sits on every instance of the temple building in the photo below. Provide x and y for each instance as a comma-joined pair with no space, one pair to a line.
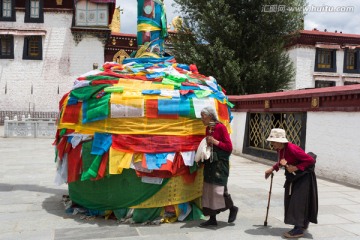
325,59
44,46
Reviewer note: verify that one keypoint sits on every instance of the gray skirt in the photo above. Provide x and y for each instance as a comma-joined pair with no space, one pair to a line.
215,199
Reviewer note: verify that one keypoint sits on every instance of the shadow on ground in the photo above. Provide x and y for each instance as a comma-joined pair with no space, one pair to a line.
270,231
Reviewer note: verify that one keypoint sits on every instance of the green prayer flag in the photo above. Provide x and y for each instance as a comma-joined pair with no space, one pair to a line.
114,192
85,93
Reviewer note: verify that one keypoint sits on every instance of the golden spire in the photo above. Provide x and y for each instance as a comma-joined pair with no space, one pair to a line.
115,22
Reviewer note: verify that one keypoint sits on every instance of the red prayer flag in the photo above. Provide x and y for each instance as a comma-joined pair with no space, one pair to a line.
74,163
72,113
155,143
103,165
223,112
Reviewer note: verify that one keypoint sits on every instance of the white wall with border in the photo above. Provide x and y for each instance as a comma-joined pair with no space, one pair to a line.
238,131
335,138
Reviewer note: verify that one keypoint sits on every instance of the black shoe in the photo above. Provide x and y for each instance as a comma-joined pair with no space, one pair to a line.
208,223
233,213
306,226
294,233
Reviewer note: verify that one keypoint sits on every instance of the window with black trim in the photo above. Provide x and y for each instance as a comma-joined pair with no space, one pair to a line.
7,10
350,83
352,61
322,84
325,60
6,47
34,11
32,48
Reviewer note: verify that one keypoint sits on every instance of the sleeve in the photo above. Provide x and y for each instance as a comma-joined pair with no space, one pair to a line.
224,139
304,160
276,166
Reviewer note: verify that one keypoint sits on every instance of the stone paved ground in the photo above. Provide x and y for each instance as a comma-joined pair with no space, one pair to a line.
31,208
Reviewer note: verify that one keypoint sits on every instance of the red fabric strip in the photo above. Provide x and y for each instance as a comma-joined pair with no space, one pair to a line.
71,114
223,111
112,74
61,146
103,165
98,82
61,103
74,163
152,111
170,169
155,143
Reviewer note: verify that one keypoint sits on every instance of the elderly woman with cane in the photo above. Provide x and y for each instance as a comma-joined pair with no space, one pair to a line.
215,197
301,199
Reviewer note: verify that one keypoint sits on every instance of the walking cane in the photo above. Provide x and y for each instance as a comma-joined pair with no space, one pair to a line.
268,205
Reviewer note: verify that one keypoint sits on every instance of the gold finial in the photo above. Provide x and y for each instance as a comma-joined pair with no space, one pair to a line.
177,22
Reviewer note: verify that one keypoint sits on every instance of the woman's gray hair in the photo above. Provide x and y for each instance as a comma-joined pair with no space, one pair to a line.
209,111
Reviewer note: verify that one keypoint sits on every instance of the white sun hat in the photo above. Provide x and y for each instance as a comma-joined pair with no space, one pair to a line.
277,135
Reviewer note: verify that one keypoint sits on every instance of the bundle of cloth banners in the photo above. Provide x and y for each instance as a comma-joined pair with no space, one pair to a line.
127,136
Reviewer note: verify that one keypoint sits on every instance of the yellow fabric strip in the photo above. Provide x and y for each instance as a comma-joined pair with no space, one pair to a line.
175,192
149,54
132,95
143,27
117,98
137,102
118,161
137,157
139,85
129,84
150,126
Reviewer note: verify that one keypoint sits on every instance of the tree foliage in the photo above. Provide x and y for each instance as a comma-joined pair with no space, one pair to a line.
239,42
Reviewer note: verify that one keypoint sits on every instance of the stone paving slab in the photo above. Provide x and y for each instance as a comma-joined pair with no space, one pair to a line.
31,208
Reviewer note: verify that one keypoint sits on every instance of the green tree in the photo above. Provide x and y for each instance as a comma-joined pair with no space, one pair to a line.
239,42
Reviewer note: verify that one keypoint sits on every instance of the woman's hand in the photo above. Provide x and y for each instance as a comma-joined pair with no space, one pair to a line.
212,141
283,162
291,168
268,172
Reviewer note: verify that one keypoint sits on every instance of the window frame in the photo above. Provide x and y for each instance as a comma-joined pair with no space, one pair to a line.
346,83
11,56
331,83
28,18
85,11
12,18
26,55
332,64
356,60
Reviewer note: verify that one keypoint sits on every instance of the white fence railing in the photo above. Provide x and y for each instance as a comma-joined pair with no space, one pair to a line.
30,127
